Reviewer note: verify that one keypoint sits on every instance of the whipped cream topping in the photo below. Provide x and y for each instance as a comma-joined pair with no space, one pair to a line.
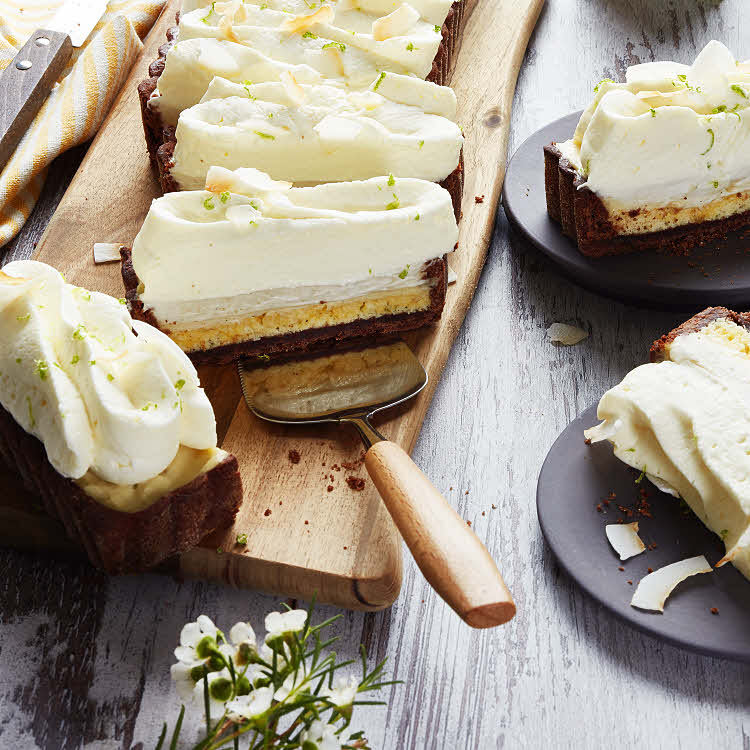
250,234
670,135
686,424
312,133
106,395
401,40
433,11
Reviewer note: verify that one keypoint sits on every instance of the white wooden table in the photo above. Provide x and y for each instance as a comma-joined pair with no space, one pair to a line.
85,660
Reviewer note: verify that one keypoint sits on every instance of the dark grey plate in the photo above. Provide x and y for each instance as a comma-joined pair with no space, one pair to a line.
576,477
716,274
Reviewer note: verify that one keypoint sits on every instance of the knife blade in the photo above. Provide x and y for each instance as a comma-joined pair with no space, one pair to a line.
26,82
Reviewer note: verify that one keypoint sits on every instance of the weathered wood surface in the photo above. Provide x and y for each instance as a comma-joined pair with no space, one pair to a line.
85,659
346,546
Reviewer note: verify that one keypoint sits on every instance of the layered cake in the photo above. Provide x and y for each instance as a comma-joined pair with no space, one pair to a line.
661,161
224,42
104,419
252,266
683,420
313,133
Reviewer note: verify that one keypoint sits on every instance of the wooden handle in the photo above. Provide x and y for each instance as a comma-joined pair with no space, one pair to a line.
26,83
454,562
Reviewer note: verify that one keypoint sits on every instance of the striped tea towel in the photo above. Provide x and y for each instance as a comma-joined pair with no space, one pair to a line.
80,99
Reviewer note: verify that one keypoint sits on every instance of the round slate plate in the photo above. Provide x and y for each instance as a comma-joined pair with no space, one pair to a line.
717,274
576,477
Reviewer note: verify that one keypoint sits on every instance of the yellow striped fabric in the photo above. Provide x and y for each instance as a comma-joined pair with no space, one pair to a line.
78,103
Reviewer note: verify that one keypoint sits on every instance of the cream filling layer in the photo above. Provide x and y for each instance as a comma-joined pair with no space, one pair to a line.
251,234
671,135
188,464
686,423
330,135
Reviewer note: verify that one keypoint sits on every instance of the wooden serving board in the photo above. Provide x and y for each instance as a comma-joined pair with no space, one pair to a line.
307,530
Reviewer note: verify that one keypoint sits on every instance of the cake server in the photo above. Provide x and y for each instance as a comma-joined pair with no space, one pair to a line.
348,388
26,82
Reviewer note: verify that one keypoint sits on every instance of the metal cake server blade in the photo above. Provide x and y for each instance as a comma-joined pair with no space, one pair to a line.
349,388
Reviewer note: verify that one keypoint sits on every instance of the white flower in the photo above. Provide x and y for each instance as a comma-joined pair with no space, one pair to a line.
343,691
219,691
283,654
291,684
323,736
280,623
192,634
242,632
246,707
183,680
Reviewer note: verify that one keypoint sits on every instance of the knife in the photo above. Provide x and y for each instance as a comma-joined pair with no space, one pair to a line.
26,82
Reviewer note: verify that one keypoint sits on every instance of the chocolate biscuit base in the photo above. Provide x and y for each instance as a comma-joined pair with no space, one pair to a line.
659,351
453,183
154,127
585,219
311,340
115,541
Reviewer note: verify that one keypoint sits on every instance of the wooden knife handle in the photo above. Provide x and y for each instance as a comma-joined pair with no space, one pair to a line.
453,560
26,83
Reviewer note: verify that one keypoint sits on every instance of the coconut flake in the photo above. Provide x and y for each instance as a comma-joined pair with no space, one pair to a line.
452,276
294,91
624,539
397,23
107,252
299,24
653,590
561,333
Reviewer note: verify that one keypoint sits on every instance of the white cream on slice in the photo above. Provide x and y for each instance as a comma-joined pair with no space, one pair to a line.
401,40
111,407
670,135
312,133
249,244
686,424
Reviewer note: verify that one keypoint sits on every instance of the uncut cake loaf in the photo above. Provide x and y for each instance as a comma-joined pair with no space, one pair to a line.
253,42
659,162
255,267
684,421
104,420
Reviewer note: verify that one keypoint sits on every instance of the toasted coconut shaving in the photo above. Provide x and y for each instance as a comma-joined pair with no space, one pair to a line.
335,54
561,333
300,24
624,539
107,252
294,91
653,590
397,23
12,280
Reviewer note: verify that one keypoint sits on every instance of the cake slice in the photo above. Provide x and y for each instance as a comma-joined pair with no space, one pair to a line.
105,422
180,76
659,162
315,133
684,421
255,267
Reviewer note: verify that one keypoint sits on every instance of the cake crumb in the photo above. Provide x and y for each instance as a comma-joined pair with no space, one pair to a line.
356,483
619,567
494,507
294,456
479,198
468,523
306,523
482,512
267,512
467,492
714,610
330,488
630,582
